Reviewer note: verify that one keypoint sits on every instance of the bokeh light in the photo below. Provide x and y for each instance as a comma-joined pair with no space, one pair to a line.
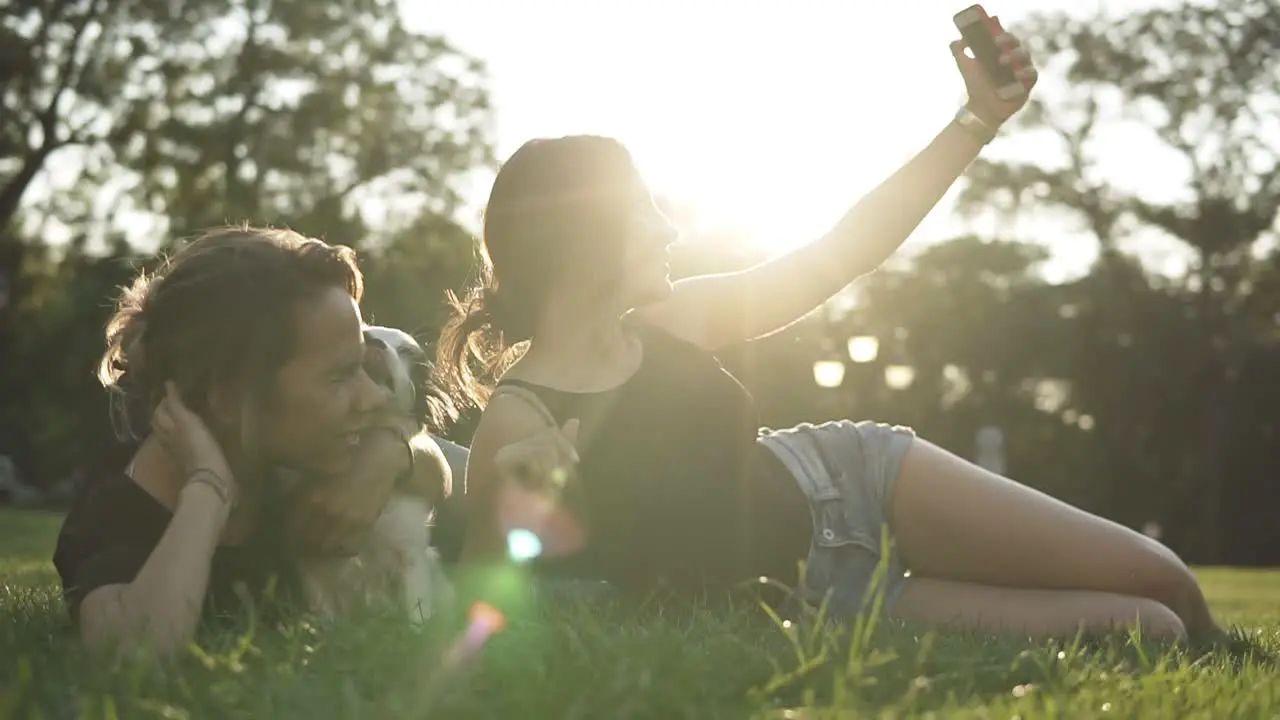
486,619
863,348
523,545
828,373
899,377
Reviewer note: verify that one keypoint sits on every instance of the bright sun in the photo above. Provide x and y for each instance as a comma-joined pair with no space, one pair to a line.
768,122
778,152
777,195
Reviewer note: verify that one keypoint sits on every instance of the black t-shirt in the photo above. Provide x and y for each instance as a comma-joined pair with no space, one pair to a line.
672,485
114,525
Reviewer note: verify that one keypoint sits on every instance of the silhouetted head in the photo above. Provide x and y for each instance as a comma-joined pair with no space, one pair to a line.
568,219
260,330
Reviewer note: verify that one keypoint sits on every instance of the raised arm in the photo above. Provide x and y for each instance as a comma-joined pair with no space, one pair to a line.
160,608
717,310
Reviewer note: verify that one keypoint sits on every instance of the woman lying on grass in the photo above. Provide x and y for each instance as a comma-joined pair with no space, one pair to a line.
242,354
677,485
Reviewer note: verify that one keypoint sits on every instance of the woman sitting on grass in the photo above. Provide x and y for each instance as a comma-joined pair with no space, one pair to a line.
677,485
242,353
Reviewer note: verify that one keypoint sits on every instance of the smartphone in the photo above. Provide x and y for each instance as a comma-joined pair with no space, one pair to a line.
979,31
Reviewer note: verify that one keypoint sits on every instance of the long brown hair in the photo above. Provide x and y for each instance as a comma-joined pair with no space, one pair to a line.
552,199
219,311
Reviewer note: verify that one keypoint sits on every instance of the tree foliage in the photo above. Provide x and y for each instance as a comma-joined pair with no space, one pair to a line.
1204,80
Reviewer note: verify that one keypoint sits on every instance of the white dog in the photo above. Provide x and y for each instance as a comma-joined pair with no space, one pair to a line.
396,558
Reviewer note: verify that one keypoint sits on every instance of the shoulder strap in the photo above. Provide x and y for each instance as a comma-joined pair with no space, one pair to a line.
530,398
590,418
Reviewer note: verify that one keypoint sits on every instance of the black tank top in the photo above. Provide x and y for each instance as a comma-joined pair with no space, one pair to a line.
672,487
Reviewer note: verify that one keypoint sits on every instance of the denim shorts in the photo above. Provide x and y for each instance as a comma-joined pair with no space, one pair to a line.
847,469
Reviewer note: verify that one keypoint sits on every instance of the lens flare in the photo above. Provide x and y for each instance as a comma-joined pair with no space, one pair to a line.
486,618
536,525
523,545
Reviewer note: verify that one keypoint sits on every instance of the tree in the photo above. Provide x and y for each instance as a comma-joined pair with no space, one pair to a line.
1205,79
307,112
53,413
222,110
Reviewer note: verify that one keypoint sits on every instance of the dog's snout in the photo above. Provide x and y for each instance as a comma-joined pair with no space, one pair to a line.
401,360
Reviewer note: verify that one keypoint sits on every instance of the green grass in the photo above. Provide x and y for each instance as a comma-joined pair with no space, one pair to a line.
594,658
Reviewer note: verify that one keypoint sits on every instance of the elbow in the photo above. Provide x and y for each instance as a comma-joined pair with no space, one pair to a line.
130,641
126,642
112,624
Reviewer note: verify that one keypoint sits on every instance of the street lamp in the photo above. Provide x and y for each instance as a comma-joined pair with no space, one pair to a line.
899,377
863,348
828,373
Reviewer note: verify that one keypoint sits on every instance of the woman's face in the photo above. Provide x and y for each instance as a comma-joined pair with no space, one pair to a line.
648,237
323,396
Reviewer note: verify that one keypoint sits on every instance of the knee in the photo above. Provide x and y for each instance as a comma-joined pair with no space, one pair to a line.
1158,622
1163,577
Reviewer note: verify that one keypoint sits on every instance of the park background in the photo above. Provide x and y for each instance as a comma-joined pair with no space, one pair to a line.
1102,286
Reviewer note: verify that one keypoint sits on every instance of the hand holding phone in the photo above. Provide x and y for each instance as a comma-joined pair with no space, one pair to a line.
979,31
998,72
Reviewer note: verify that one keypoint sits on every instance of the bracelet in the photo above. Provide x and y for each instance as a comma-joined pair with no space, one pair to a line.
205,476
974,125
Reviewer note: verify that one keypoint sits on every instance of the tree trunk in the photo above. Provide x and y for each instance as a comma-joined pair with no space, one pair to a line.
13,191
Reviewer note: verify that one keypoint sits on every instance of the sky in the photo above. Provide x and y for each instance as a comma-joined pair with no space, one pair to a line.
768,119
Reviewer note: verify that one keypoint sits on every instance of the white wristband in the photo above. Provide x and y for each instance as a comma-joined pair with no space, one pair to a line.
974,125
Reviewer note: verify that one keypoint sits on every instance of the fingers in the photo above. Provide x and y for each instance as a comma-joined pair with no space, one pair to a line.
547,456
182,415
570,432
162,421
567,442
566,453
531,469
566,439
166,429
1015,57
174,397
1012,51
1013,54
966,64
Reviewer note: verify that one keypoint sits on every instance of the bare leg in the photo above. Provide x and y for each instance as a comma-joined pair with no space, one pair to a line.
1032,613
955,521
